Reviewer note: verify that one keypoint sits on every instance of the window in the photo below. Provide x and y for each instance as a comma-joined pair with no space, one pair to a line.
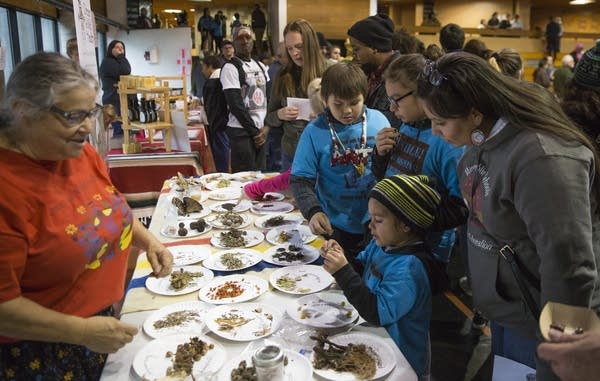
26,28
5,42
48,35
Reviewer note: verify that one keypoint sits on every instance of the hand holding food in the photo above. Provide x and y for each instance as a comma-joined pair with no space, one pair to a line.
105,334
160,259
319,224
572,356
385,140
334,256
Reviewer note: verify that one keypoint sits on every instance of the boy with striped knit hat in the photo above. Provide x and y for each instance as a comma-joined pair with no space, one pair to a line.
395,290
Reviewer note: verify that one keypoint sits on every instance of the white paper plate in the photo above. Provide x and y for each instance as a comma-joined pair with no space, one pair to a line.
262,320
273,236
298,368
241,207
171,231
252,287
386,360
276,207
248,257
162,286
192,181
212,177
215,221
253,238
225,194
271,196
323,310
151,363
204,212
287,220
189,254
303,279
193,324
223,184
310,254
247,176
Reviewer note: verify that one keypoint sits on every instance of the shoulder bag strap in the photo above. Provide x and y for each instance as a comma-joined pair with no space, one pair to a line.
509,256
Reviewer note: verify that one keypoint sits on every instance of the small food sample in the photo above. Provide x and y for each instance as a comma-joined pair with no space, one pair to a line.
176,318
292,254
199,225
283,237
358,359
223,183
275,221
267,197
231,320
287,283
244,373
230,219
233,238
232,261
230,289
186,206
185,356
181,279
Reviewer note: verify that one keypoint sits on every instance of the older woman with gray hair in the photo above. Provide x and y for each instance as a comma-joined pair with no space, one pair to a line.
66,231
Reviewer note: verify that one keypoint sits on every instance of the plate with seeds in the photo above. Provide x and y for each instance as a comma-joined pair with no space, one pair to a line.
279,236
182,280
272,207
303,279
190,227
179,357
233,289
289,255
182,317
278,221
229,220
236,238
233,260
243,321
229,206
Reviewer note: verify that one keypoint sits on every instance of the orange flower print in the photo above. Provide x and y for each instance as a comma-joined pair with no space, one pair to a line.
71,229
35,364
81,209
97,197
15,352
111,188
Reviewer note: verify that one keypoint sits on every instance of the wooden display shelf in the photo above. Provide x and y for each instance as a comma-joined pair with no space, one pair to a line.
150,126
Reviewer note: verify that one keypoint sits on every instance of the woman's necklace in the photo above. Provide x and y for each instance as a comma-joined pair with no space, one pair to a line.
343,155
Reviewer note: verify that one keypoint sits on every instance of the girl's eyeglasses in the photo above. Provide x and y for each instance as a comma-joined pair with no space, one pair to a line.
431,73
75,118
396,101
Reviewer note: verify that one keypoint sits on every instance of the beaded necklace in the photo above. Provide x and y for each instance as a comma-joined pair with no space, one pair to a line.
357,157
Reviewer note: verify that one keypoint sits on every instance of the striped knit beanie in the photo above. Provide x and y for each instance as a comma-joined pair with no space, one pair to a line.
587,71
409,198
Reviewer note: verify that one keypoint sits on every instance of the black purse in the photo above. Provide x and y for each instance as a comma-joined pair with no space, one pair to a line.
509,256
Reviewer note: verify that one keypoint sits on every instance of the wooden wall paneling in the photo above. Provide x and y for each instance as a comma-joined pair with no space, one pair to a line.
33,6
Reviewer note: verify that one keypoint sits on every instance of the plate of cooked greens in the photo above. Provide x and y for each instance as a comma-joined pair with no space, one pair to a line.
182,280
233,260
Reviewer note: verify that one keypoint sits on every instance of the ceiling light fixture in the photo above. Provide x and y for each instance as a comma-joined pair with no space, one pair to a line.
172,10
581,2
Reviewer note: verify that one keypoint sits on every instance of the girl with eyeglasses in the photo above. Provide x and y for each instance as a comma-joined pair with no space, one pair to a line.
410,148
66,231
528,176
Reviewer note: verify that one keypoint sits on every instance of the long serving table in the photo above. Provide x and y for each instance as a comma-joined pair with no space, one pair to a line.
139,303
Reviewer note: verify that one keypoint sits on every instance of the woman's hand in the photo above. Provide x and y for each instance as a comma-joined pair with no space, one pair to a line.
319,224
385,140
334,256
287,113
104,334
160,259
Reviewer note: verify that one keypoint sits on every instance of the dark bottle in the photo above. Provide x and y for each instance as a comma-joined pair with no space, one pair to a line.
136,109
153,110
143,112
130,113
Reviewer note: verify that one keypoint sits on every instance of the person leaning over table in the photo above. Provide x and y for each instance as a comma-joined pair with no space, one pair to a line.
530,179
66,232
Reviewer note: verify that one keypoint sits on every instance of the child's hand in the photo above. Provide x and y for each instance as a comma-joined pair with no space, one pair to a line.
319,224
385,140
334,256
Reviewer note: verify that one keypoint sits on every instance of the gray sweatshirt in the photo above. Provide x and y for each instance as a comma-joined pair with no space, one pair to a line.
534,192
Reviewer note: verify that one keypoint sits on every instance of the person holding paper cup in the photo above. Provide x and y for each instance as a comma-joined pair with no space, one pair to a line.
305,63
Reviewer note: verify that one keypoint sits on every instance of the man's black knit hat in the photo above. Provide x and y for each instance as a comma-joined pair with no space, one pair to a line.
374,31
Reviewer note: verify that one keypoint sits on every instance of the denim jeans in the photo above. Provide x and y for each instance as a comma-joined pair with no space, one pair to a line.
508,343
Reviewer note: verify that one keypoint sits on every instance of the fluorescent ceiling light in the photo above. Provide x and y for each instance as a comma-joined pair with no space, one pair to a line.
581,2
172,10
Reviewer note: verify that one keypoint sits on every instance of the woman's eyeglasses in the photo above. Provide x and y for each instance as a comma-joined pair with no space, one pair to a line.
431,73
396,101
75,118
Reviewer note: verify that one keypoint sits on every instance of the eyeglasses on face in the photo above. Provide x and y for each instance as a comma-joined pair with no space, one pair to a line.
431,73
75,118
396,101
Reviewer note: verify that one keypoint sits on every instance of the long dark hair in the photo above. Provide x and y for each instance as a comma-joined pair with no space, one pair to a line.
468,82
112,45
